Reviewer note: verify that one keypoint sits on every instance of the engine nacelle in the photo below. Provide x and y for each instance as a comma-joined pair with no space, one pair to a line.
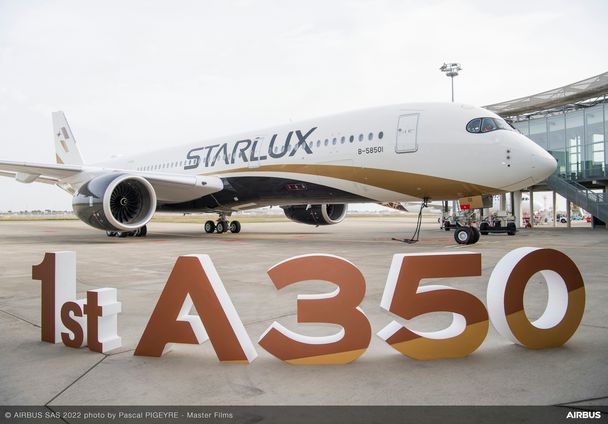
115,202
325,214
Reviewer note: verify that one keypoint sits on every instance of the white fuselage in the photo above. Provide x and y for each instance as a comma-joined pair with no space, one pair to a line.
392,153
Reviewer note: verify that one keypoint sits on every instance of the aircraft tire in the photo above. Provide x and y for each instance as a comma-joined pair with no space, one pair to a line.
221,227
141,231
463,235
235,227
209,227
476,235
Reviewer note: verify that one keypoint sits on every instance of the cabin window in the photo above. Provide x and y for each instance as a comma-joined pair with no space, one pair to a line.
380,135
334,141
326,142
352,138
360,137
370,136
342,140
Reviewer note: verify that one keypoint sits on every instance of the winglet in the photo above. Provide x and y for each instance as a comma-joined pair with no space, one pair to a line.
66,150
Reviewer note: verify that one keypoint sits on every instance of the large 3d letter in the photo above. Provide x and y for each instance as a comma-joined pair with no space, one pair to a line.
194,280
565,306
403,297
339,307
57,272
102,311
72,316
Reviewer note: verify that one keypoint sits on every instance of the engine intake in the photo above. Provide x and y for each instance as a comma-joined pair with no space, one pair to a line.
325,214
116,202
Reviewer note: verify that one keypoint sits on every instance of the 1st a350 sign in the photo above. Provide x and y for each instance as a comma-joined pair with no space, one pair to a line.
194,282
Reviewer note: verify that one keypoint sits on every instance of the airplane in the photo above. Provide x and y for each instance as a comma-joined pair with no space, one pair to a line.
312,169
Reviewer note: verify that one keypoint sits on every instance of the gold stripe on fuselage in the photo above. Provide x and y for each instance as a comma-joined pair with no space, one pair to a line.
416,185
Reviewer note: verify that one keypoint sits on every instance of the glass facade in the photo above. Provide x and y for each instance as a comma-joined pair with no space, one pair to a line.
577,139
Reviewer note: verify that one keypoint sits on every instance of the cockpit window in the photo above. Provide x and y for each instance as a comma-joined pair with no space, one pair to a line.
503,125
487,125
484,125
474,126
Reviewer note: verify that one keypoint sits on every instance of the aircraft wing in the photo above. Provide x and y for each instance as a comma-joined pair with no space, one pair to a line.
28,172
169,188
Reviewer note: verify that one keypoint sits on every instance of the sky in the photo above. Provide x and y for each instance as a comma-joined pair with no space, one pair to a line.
139,75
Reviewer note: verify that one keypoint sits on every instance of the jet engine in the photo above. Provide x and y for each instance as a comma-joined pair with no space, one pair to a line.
325,214
115,202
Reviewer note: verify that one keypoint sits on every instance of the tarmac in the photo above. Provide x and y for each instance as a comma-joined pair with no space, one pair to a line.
33,372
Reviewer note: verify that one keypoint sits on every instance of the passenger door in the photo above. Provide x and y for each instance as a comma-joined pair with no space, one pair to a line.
407,133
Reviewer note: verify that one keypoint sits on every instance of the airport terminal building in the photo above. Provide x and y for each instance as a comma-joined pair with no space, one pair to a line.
570,122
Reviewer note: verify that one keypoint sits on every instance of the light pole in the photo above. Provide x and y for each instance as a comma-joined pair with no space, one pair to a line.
451,70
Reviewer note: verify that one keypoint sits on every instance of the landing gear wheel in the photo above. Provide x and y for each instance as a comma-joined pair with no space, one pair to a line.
463,235
209,227
476,235
235,227
111,233
446,226
221,227
141,231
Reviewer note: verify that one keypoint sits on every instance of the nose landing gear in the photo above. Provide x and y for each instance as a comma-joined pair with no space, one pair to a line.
467,235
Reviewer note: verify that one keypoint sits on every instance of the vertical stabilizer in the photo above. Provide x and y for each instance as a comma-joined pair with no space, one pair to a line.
66,150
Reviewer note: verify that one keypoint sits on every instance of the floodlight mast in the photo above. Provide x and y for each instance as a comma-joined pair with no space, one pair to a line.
451,70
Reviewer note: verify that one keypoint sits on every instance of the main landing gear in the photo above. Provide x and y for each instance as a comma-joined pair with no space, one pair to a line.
222,226
140,232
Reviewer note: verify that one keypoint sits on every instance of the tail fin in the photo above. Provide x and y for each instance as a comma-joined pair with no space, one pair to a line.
66,150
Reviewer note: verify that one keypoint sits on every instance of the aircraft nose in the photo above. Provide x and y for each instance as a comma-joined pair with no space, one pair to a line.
543,165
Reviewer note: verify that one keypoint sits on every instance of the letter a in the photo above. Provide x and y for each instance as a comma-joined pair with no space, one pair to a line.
194,281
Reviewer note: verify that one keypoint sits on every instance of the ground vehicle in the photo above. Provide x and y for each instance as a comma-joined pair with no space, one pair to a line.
498,222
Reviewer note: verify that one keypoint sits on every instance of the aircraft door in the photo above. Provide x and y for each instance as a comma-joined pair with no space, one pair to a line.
407,133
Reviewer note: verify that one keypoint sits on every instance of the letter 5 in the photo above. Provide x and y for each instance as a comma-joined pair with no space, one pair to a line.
339,307
404,297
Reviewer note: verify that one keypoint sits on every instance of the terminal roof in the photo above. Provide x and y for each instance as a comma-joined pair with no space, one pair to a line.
593,87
